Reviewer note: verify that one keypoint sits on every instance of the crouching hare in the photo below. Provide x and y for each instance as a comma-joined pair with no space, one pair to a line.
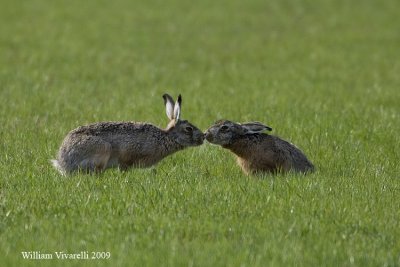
256,151
98,146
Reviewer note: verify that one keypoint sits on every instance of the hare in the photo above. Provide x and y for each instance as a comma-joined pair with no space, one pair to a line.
258,152
96,147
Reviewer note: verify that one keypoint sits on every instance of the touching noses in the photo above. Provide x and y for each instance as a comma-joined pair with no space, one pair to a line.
208,136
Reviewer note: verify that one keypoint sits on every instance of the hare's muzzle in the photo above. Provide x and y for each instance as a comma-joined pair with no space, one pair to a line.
200,139
209,137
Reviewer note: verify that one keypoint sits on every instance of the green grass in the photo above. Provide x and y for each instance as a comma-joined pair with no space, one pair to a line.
324,75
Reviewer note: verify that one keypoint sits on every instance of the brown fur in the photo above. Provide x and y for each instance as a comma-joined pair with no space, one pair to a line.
258,152
103,145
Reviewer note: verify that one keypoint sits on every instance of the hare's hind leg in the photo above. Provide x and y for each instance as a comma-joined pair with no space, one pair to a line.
95,155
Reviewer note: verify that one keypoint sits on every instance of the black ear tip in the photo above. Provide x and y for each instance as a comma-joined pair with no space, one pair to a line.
269,128
179,98
165,98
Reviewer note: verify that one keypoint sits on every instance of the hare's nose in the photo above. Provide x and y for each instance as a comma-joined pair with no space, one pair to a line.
208,136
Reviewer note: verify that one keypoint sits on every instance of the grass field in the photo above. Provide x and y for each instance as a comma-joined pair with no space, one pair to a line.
323,74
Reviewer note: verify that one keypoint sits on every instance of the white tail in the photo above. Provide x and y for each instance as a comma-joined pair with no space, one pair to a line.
56,165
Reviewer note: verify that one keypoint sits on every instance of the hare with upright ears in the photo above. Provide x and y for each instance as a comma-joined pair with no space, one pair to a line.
98,146
258,152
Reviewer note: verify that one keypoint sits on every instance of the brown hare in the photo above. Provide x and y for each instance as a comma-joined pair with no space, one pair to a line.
258,152
96,147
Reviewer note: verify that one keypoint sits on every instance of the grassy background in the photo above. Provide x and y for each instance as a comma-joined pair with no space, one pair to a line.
324,75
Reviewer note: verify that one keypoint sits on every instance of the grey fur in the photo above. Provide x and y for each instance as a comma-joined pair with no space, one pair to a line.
98,146
256,151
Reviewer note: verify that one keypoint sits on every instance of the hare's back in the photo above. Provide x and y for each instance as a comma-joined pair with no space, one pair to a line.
108,131
298,159
113,128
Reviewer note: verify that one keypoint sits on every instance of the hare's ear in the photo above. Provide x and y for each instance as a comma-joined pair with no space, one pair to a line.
255,127
169,106
177,108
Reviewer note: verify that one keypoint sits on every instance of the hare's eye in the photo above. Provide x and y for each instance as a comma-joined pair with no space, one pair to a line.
189,129
224,127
